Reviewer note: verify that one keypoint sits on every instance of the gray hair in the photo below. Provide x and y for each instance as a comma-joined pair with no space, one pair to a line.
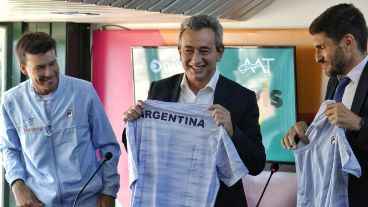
202,21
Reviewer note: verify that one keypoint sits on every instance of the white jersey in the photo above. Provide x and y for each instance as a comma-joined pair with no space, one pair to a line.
323,165
177,154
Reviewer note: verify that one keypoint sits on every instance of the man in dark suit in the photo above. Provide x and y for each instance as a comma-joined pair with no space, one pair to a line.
233,106
340,39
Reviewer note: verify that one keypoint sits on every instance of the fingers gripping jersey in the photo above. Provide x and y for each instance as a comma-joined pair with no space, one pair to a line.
323,165
177,154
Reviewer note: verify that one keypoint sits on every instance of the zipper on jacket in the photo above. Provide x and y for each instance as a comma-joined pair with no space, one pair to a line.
49,134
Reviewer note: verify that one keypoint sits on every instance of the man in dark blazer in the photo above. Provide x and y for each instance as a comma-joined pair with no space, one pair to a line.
340,39
232,105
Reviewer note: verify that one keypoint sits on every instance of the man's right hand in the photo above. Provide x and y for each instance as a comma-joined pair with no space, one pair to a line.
24,197
298,130
134,112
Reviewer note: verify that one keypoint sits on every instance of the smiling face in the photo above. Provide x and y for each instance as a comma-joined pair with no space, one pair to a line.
199,56
43,71
330,55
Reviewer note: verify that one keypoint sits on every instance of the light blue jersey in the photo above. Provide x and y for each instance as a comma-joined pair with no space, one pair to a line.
323,165
177,155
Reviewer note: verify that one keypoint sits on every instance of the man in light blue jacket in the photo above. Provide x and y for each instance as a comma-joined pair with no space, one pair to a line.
53,129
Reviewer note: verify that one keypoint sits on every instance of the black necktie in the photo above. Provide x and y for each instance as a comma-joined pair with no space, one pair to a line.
343,82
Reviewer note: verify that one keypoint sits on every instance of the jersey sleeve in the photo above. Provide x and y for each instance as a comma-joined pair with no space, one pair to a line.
132,151
229,166
349,162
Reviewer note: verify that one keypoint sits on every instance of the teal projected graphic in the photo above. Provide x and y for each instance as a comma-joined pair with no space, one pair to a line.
268,71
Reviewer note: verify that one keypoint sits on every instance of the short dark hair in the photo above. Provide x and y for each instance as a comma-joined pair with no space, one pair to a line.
339,20
34,43
202,21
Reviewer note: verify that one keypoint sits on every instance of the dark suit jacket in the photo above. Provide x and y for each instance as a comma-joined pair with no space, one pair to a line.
358,187
247,138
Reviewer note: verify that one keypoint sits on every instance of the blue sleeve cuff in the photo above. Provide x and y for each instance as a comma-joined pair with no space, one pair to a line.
13,176
110,190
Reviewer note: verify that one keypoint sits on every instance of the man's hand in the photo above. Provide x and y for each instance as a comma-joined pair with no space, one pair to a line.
134,112
222,116
341,116
24,197
298,130
106,201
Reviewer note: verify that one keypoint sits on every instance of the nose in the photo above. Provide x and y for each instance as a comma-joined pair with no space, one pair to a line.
196,57
318,56
49,71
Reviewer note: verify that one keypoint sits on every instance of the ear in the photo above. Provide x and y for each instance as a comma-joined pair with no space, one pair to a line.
348,40
23,69
220,53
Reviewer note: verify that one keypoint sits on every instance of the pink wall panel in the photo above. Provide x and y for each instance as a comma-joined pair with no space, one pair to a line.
112,78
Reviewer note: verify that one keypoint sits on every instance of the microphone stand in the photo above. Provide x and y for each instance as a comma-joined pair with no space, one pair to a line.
107,157
274,168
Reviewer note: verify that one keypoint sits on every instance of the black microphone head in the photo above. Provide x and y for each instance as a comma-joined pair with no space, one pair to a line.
274,167
107,156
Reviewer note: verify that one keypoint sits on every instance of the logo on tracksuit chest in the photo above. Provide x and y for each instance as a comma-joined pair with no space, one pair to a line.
333,139
69,113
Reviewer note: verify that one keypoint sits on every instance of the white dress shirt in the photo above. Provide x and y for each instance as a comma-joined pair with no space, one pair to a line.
354,75
204,96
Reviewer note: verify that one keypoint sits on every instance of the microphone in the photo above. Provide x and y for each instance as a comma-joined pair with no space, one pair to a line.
107,156
274,168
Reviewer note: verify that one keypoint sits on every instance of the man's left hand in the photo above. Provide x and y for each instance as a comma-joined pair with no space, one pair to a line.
222,116
341,116
106,201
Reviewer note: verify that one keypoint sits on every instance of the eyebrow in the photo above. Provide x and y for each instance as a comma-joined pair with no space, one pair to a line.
54,61
320,46
43,65
200,48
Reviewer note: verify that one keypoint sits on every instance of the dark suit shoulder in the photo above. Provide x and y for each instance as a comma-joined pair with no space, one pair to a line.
166,89
170,81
